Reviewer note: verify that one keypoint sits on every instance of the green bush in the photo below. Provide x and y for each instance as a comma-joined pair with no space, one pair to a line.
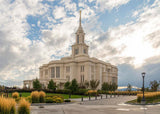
49,100
58,100
59,91
67,100
81,92
66,91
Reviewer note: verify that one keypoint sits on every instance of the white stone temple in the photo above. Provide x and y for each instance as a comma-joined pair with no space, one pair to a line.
79,66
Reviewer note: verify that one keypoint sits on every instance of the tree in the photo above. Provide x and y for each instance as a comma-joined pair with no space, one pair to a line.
86,84
105,86
114,86
94,84
74,86
154,85
67,85
52,85
37,84
129,87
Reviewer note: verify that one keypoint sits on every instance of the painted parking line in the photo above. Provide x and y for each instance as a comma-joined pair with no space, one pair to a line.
123,104
143,108
122,109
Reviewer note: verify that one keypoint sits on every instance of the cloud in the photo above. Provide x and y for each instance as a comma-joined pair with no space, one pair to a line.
137,40
110,4
59,12
16,48
124,45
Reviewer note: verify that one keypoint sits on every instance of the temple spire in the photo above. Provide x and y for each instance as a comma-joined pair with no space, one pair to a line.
80,18
80,29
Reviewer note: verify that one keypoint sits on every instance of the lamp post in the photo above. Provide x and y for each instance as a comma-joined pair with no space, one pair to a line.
143,99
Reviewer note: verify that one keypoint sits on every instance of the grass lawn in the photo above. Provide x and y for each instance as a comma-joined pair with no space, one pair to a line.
65,96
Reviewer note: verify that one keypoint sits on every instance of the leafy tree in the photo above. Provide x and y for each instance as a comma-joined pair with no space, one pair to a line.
129,87
154,85
52,85
74,86
81,85
37,84
114,86
67,85
94,84
86,84
105,86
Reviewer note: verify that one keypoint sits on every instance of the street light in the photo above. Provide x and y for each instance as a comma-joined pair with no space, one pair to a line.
143,99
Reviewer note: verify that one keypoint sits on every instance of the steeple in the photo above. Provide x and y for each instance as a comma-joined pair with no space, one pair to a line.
80,18
80,48
80,29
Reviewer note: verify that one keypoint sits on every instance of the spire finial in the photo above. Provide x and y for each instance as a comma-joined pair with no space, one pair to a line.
80,18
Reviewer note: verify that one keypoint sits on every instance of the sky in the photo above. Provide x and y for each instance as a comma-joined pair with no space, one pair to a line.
125,33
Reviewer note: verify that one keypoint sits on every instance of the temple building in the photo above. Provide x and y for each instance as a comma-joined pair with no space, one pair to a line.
79,66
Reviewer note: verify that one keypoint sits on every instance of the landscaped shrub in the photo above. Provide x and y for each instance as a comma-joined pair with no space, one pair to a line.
92,92
55,96
24,107
35,97
102,92
7,106
42,96
58,99
15,95
67,100
124,92
81,92
29,99
17,99
66,91
149,96
49,100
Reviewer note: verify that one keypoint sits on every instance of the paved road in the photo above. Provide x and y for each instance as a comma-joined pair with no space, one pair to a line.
115,108
109,101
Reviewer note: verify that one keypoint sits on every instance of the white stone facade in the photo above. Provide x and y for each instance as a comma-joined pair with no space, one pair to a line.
78,66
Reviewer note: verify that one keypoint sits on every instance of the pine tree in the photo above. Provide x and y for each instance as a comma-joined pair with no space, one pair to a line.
67,85
37,84
52,85
74,86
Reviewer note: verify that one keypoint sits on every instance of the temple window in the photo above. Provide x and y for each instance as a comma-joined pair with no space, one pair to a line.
84,51
46,72
52,72
76,51
67,68
78,39
57,72
82,68
82,78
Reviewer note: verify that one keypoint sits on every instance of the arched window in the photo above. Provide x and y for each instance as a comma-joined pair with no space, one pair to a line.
76,51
